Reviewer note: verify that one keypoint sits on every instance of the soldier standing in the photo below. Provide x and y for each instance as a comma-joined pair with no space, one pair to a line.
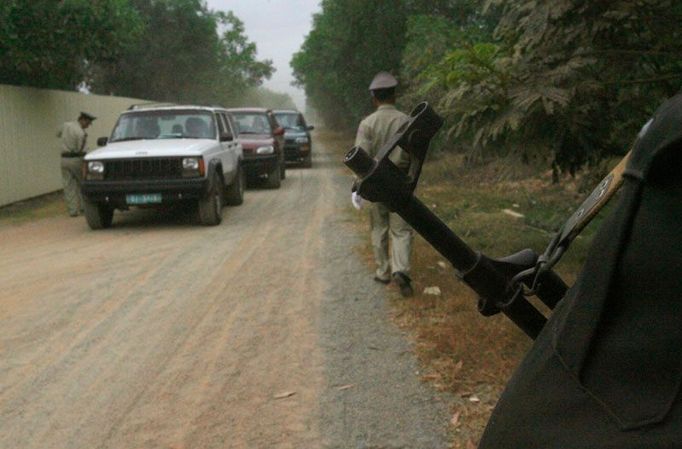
374,131
73,138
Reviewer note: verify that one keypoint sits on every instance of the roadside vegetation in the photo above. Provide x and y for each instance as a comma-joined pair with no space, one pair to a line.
462,352
160,50
561,82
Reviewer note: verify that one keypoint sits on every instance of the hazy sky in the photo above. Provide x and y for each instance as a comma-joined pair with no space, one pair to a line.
278,28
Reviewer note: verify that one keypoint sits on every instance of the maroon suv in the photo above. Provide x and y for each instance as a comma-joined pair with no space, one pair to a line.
263,142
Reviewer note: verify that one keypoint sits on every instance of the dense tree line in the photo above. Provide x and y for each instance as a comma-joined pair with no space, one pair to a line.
163,50
567,81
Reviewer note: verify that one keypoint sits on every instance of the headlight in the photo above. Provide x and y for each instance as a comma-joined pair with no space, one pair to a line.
192,166
94,170
302,139
190,163
96,167
269,149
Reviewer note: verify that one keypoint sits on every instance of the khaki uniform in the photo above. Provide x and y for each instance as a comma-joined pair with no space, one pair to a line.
374,131
73,139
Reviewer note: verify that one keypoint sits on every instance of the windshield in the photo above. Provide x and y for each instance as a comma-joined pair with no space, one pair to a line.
175,124
252,123
289,120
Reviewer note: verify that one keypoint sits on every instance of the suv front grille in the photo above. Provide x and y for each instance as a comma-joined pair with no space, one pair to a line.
143,168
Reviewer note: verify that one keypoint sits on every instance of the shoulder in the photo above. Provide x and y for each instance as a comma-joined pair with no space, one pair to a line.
72,126
371,118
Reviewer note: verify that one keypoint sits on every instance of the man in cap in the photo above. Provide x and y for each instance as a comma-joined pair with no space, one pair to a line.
374,131
73,138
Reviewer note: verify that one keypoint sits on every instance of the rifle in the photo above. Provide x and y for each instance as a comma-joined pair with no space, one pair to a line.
503,285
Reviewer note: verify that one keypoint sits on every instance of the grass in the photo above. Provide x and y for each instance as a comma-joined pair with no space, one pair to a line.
32,209
462,352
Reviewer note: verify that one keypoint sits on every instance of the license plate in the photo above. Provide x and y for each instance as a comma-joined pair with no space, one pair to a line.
144,198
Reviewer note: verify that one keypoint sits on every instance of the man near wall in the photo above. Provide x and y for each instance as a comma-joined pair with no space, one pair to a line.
374,131
73,137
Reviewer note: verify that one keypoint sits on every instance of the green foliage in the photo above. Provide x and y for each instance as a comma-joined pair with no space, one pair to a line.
351,40
181,58
53,44
566,80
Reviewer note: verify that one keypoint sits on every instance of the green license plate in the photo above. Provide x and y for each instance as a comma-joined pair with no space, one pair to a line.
144,198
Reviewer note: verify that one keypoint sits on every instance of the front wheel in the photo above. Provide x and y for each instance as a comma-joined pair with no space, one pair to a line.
274,180
235,191
98,216
211,205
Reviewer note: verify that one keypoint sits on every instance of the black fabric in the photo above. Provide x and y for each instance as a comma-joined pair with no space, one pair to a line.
606,370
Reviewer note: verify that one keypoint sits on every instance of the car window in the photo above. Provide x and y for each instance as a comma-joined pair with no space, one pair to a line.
171,124
290,120
226,123
221,124
252,123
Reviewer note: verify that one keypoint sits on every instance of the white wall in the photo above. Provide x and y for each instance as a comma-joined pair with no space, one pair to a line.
29,147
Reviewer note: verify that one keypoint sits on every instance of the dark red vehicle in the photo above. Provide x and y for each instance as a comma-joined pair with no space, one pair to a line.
262,140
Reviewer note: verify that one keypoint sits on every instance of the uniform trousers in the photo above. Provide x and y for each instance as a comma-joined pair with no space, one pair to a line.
71,181
385,224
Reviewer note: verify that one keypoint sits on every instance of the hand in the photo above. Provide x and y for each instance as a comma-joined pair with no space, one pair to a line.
357,200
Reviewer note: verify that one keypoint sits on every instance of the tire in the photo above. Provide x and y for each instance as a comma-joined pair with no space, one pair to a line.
211,205
308,161
235,191
274,180
98,216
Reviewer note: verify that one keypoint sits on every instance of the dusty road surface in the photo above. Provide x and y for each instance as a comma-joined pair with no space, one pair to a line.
264,332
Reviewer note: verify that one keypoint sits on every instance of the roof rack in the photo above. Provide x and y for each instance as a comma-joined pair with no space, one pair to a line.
150,104
155,105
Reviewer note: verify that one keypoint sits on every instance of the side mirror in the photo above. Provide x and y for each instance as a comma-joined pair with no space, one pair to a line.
310,127
226,137
279,131
102,141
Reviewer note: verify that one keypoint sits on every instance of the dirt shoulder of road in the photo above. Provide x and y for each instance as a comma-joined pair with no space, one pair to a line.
461,352
37,208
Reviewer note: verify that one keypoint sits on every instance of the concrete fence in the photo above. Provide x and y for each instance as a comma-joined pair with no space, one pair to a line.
29,147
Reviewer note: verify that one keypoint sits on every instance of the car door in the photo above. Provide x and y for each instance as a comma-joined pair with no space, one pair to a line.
237,150
230,147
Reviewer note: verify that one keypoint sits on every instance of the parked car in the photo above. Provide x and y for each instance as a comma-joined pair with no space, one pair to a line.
263,143
298,146
165,154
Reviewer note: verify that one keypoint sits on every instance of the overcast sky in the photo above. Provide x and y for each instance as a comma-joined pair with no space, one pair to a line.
278,28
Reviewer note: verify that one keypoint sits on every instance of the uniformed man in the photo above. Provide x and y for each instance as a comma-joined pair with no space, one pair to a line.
73,138
373,132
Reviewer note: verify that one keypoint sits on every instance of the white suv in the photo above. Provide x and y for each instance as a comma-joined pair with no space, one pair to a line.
163,154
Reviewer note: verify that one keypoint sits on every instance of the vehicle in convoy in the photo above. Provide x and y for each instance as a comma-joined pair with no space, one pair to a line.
298,145
263,142
160,155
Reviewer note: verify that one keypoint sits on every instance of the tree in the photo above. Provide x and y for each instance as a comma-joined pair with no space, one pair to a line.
181,58
568,80
50,44
351,40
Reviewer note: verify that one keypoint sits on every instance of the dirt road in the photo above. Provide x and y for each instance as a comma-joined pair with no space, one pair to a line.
264,332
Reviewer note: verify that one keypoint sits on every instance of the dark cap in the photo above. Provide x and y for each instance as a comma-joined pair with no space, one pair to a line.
87,116
383,80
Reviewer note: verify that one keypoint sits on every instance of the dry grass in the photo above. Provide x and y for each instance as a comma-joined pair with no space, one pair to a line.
462,352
